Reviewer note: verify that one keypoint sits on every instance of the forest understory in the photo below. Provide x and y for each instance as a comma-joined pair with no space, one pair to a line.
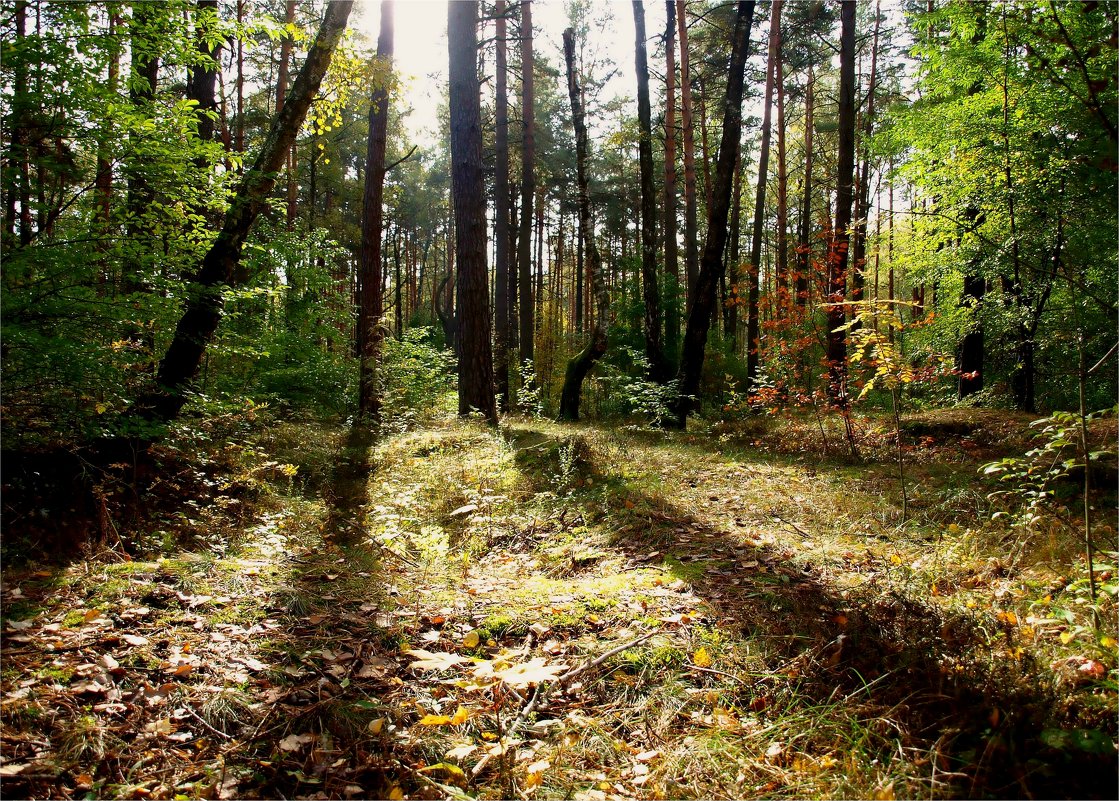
282,609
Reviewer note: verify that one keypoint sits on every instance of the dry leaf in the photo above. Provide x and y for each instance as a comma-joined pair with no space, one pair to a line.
293,742
134,639
461,751
14,769
428,660
472,639
532,672
434,720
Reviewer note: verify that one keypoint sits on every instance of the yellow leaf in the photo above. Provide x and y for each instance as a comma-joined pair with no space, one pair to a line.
1108,642
895,559
434,720
1067,637
885,793
472,639
701,658
396,794
533,780
1009,618
462,714
377,726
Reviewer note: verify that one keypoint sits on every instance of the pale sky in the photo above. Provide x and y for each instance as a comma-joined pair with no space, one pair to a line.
421,45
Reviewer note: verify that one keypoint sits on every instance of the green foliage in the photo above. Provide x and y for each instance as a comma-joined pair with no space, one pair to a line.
1036,487
417,378
636,395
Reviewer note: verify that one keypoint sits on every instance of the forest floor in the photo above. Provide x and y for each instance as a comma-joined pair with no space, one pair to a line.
546,611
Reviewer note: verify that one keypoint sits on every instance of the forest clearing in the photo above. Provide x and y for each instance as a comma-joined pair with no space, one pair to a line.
559,399
398,622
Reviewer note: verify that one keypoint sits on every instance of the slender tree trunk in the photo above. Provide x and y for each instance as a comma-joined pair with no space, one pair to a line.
804,246
701,86
730,312
141,91
286,48
579,366
475,371
654,348
687,127
239,135
969,358
528,185
370,331
218,268
845,169
862,201
782,256
671,246
202,83
104,178
753,329
699,314
501,211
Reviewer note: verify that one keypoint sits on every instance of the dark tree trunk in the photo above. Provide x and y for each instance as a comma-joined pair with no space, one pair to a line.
202,84
286,48
501,211
969,359
687,127
671,246
141,92
239,129
528,186
650,286
579,366
753,329
475,365
370,331
845,171
204,308
699,313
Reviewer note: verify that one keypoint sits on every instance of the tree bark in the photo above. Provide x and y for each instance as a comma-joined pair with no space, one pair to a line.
501,210
782,256
528,187
370,330
687,128
286,48
196,327
804,245
699,313
579,366
845,169
650,286
753,329
475,365
730,312
671,246
862,201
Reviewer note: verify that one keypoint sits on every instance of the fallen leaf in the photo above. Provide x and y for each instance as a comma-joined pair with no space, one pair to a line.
293,742
645,756
161,726
532,672
14,769
462,714
428,660
134,639
461,751
464,510
472,639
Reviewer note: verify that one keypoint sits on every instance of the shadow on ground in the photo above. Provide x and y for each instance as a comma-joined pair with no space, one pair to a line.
954,691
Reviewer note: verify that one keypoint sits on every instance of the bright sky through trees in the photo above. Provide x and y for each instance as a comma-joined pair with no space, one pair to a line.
421,53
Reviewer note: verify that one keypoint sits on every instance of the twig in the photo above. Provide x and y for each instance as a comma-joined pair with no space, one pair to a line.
793,526
541,693
717,673
202,720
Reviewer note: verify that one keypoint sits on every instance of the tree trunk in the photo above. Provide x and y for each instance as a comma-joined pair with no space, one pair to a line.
730,312
845,169
862,202
239,131
204,308
804,245
579,366
370,332
528,186
699,313
753,329
687,126
654,348
501,211
286,47
475,365
671,246
782,257
969,358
